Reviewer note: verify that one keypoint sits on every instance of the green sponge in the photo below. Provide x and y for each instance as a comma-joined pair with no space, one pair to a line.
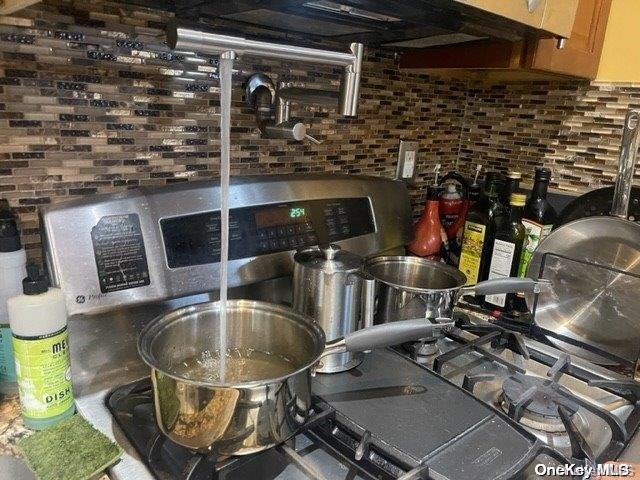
69,450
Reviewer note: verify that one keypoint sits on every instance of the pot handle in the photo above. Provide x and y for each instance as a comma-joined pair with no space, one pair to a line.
368,299
385,335
506,285
626,164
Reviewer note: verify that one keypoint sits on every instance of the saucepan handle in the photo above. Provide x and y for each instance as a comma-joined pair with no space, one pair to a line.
626,164
505,285
385,335
368,299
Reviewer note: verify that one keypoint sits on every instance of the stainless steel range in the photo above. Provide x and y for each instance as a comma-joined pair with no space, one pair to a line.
484,403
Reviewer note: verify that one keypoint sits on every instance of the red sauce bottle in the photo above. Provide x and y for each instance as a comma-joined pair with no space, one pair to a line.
428,232
451,204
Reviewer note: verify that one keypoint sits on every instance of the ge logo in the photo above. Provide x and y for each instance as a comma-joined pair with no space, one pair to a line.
80,299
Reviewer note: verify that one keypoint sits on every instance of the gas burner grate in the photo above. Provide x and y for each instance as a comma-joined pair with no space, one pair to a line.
546,401
354,446
132,407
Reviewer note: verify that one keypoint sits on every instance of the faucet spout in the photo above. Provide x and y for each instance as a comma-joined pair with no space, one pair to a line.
183,38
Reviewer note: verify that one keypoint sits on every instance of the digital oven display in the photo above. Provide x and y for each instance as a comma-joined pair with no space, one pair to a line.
264,229
281,215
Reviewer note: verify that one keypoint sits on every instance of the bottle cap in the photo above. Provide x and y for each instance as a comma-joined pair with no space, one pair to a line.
9,234
514,175
493,176
434,192
474,192
35,283
517,199
543,173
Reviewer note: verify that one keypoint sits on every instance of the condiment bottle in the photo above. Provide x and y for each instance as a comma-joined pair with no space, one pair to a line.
510,185
38,320
479,231
538,217
13,261
507,248
451,204
428,232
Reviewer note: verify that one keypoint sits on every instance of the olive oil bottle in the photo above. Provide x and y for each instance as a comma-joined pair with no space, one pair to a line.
479,231
510,185
506,252
538,217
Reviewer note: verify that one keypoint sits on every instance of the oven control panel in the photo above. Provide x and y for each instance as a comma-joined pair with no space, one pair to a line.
257,230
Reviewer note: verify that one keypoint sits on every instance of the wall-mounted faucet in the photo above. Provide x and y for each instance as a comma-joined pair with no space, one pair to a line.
273,106
261,91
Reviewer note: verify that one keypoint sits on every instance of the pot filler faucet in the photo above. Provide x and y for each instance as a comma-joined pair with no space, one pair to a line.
261,93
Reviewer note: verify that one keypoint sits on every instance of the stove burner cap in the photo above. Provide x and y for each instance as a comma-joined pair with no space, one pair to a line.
546,399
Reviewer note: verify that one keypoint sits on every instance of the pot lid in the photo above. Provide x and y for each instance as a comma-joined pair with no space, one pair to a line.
330,258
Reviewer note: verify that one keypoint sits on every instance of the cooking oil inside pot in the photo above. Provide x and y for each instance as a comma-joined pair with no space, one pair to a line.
241,365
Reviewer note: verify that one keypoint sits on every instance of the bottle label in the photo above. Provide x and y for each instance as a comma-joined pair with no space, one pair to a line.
535,234
471,256
7,365
501,262
44,375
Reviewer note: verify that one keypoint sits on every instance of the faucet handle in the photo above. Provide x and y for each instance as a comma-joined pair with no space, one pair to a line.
312,139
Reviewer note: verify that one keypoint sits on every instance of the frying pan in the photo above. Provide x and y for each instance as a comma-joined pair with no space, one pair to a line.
597,203
600,306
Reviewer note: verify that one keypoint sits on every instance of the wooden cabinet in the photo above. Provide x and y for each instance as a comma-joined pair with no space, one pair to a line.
553,16
581,53
579,56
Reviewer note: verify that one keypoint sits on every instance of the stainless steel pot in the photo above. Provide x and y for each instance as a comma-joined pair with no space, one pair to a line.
243,418
412,287
330,287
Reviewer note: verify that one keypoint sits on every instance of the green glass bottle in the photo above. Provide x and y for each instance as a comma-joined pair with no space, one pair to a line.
506,252
538,217
511,185
479,231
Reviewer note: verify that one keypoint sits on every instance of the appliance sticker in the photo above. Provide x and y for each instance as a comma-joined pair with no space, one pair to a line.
119,251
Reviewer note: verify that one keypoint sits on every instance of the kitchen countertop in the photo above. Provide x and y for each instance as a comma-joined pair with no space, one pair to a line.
12,429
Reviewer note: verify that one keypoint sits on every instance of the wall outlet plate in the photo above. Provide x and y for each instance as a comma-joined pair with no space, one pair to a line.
407,162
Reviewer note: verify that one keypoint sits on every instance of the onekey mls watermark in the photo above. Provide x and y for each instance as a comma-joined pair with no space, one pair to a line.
600,471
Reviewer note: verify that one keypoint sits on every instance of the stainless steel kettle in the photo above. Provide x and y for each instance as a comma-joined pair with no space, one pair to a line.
330,287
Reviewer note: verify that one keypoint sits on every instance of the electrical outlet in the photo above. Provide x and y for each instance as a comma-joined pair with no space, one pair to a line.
407,161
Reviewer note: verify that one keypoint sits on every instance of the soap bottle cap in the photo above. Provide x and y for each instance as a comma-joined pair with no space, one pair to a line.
9,234
35,283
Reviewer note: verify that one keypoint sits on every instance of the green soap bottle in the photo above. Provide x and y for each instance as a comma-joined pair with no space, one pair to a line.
38,320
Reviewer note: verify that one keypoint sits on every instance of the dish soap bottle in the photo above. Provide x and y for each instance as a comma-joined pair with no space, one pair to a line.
38,320
13,261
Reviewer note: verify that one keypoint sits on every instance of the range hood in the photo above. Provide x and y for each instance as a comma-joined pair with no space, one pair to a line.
396,23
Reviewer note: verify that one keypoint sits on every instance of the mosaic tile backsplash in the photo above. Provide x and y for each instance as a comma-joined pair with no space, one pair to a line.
92,101
572,127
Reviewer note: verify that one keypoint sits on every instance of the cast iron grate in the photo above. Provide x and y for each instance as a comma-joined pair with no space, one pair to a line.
565,402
